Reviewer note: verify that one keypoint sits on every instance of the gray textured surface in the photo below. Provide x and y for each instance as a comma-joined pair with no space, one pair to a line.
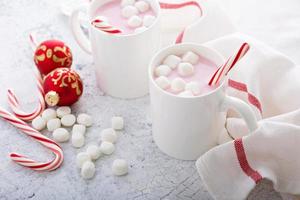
152,174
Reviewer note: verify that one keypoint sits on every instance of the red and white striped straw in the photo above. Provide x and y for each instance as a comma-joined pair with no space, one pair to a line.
14,103
48,143
229,64
104,26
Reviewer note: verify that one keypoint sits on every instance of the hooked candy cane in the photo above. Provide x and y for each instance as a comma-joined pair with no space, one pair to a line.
229,64
104,26
48,143
14,103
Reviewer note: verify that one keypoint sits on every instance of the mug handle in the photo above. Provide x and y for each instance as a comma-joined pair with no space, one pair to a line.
243,109
78,34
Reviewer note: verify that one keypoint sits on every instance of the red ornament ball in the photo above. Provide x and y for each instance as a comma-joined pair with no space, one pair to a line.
62,87
52,54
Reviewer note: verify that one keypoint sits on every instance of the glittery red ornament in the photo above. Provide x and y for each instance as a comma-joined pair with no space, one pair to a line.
62,87
52,54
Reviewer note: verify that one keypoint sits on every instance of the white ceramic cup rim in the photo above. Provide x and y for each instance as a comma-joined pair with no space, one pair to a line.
157,18
151,67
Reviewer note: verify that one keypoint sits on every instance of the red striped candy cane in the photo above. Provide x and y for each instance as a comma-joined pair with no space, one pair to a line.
178,6
229,64
48,143
14,103
102,25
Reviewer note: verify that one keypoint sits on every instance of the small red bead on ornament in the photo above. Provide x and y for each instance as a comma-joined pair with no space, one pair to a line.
62,87
52,54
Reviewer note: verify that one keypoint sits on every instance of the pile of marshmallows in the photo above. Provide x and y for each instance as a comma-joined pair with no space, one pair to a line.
55,119
131,10
109,136
185,68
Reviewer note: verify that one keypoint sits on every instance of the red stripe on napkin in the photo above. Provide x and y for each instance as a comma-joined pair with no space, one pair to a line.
242,158
243,87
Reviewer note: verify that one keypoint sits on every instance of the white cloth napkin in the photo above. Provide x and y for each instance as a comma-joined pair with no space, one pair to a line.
270,83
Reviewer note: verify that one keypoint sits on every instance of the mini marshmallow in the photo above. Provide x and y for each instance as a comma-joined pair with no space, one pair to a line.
61,135
94,151
140,29
194,87
81,158
48,114
177,85
88,170
109,135
120,167
190,57
142,6
38,123
148,20
107,148
134,21
127,2
172,61
85,119
79,128
129,11
78,140
163,82
186,94
68,120
185,69
162,70
53,124
62,111
117,123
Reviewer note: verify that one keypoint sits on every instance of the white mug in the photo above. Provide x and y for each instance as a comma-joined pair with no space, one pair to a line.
187,127
121,61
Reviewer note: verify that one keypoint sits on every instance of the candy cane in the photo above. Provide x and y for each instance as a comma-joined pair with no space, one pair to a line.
50,144
14,103
229,64
178,6
33,41
102,25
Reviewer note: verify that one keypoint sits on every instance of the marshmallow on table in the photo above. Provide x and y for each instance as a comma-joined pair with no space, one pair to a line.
172,61
49,113
185,69
61,135
162,70
127,2
194,87
62,111
81,158
140,29
38,123
177,85
109,135
85,119
129,11
79,128
190,57
77,139
186,94
134,21
120,167
142,6
88,170
163,82
53,124
107,148
94,151
68,120
148,20
117,123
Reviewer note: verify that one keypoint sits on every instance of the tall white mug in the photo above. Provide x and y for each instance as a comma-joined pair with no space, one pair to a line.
187,127
121,61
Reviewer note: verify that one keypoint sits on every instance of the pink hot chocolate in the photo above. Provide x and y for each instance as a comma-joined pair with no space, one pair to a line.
112,12
203,71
